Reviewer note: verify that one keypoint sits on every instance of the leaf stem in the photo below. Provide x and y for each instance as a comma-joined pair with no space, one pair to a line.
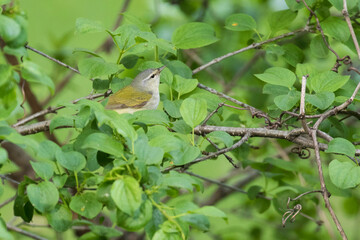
77,181
169,218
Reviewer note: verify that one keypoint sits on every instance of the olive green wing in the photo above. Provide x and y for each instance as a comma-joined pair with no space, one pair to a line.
128,97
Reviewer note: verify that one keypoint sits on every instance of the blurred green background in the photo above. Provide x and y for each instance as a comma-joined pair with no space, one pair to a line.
51,30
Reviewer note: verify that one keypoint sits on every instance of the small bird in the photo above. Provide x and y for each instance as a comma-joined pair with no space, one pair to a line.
141,94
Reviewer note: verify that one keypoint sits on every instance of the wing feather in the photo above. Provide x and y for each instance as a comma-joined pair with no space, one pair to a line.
128,97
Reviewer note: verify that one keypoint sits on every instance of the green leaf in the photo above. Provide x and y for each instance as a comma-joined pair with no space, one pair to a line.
338,4
293,54
197,221
129,61
280,163
344,174
183,85
60,218
84,25
185,154
73,161
341,146
43,196
294,5
44,170
167,142
32,73
288,101
97,67
148,154
118,122
254,191
278,76
173,107
321,100
60,180
126,194
180,180
221,137
84,50
3,156
47,150
318,47
240,22
193,35
103,194
178,68
4,233
193,111
5,73
86,205
105,143
9,28
327,81
133,223
165,45
23,208
305,69
211,211
262,204
161,235
99,84
336,28
131,19
105,232
275,89
151,117
281,19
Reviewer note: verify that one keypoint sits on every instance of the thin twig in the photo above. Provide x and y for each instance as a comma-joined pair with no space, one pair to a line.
233,188
302,104
7,201
52,59
252,46
212,155
25,233
54,109
4,177
216,182
231,161
212,114
221,193
254,112
318,26
305,193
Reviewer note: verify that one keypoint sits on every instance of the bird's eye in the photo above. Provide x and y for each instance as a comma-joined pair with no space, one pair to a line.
152,76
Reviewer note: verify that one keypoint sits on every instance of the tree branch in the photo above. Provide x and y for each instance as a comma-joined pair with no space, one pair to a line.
348,21
324,190
252,46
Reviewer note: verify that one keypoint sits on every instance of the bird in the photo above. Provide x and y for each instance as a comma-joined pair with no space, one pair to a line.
141,94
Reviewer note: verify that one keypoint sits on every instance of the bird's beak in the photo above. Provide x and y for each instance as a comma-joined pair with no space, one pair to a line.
161,68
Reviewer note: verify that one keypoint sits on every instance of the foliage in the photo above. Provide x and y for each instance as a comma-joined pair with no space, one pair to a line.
141,172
